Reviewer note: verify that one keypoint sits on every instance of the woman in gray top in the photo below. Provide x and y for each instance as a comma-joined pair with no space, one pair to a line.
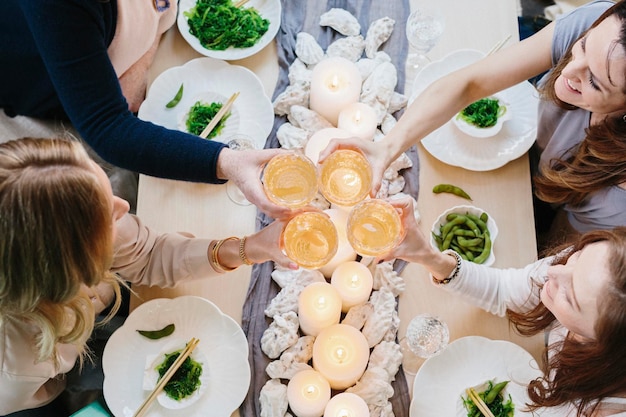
582,116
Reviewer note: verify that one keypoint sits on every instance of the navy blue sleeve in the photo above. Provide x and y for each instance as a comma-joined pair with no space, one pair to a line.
72,40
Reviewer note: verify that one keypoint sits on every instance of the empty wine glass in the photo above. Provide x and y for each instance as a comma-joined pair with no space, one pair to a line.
238,142
425,336
424,27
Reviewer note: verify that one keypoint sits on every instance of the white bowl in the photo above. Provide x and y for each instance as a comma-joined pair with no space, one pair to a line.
484,132
491,226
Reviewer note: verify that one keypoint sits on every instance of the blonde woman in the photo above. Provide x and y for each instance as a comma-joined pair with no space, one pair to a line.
64,237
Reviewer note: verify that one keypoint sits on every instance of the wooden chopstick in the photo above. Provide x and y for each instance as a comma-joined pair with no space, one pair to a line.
214,121
166,377
241,3
498,45
482,406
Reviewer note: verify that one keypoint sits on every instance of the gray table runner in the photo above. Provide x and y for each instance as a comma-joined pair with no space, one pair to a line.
299,16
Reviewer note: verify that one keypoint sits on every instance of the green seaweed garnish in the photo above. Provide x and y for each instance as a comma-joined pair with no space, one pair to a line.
201,114
483,113
185,380
494,398
219,25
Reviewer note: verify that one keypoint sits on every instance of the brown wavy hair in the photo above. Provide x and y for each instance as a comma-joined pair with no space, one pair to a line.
56,227
584,372
600,160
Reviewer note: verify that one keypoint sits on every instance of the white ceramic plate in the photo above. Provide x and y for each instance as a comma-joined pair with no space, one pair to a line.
208,79
450,145
222,342
468,362
268,9
491,225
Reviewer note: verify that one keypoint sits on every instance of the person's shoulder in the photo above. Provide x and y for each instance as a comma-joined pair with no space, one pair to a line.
591,10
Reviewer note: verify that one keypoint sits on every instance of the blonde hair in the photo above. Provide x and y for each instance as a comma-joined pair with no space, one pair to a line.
56,227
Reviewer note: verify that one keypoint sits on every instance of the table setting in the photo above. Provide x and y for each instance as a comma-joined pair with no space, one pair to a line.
322,91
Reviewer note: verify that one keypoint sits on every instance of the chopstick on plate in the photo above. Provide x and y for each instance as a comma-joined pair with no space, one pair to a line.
240,3
214,121
166,377
498,45
482,406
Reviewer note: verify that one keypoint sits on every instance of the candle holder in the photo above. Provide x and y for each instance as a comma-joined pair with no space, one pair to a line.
290,180
310,239
345,177
374,228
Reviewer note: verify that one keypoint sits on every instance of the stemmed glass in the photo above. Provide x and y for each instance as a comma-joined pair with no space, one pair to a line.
424,27
238,142
426,336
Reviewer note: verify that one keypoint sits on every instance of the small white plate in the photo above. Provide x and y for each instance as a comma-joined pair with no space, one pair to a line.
484,132
205,79
268,9
453,147
491,225
468,362
222,343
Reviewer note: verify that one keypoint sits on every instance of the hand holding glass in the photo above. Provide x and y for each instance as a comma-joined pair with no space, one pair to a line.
238,142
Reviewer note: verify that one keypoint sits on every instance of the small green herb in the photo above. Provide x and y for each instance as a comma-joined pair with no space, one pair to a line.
483,113
494,399
218,24
201,114
173,102
158,334
185,380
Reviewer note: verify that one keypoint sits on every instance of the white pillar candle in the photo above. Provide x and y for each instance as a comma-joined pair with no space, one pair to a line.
320,139
353,281
340,354
346,404
335,83
358,119
308,393
345,252
319,306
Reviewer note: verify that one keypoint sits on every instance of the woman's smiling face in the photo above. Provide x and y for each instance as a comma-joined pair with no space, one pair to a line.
595,78
573,291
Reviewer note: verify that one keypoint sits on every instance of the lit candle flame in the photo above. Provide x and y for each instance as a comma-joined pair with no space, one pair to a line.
321,302
344,413
340,354
334,83
357,116
310,390
354,281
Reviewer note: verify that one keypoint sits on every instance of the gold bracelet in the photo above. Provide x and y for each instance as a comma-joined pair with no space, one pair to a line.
242,252
214,260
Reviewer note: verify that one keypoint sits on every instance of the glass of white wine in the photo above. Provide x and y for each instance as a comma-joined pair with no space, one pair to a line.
238,142
424,27
345,177
374,227
290,180
310,239
426,336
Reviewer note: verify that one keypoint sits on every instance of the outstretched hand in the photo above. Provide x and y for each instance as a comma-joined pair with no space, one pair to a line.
264,245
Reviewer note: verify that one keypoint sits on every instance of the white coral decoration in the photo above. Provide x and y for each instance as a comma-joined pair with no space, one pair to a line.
293,360
350,48
273,399
342,21
373,387
385,277
292,137
378,89
307,119
381,318
281,333
388,357
379,31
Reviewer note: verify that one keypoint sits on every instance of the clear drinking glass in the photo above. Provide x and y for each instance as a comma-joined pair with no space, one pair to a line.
310,239
238,142
374,227
424,27
426,336
345,177
290,180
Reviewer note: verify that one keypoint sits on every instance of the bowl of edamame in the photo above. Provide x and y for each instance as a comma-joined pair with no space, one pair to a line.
470,231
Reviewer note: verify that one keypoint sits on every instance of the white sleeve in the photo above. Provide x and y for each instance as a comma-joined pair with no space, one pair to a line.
497,290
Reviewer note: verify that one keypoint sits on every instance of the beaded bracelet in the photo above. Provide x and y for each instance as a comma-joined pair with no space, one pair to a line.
454,272
214,260
242,252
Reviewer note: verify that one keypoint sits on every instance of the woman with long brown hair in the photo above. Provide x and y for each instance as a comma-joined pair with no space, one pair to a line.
577,296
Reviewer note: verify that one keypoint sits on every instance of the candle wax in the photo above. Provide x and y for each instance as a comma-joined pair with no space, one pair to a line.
335,83
353,281
308,394
346,404
320,139
358,119
319,306
345,252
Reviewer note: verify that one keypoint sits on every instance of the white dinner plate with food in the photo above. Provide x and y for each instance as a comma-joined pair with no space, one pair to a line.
210,80
453,147
470,362
267,9
223,347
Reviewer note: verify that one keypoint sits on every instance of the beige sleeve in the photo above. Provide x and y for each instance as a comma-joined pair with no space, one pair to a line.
143,256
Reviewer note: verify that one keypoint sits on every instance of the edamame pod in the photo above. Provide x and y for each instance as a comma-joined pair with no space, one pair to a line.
173,102
158,334
495,390
451,189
